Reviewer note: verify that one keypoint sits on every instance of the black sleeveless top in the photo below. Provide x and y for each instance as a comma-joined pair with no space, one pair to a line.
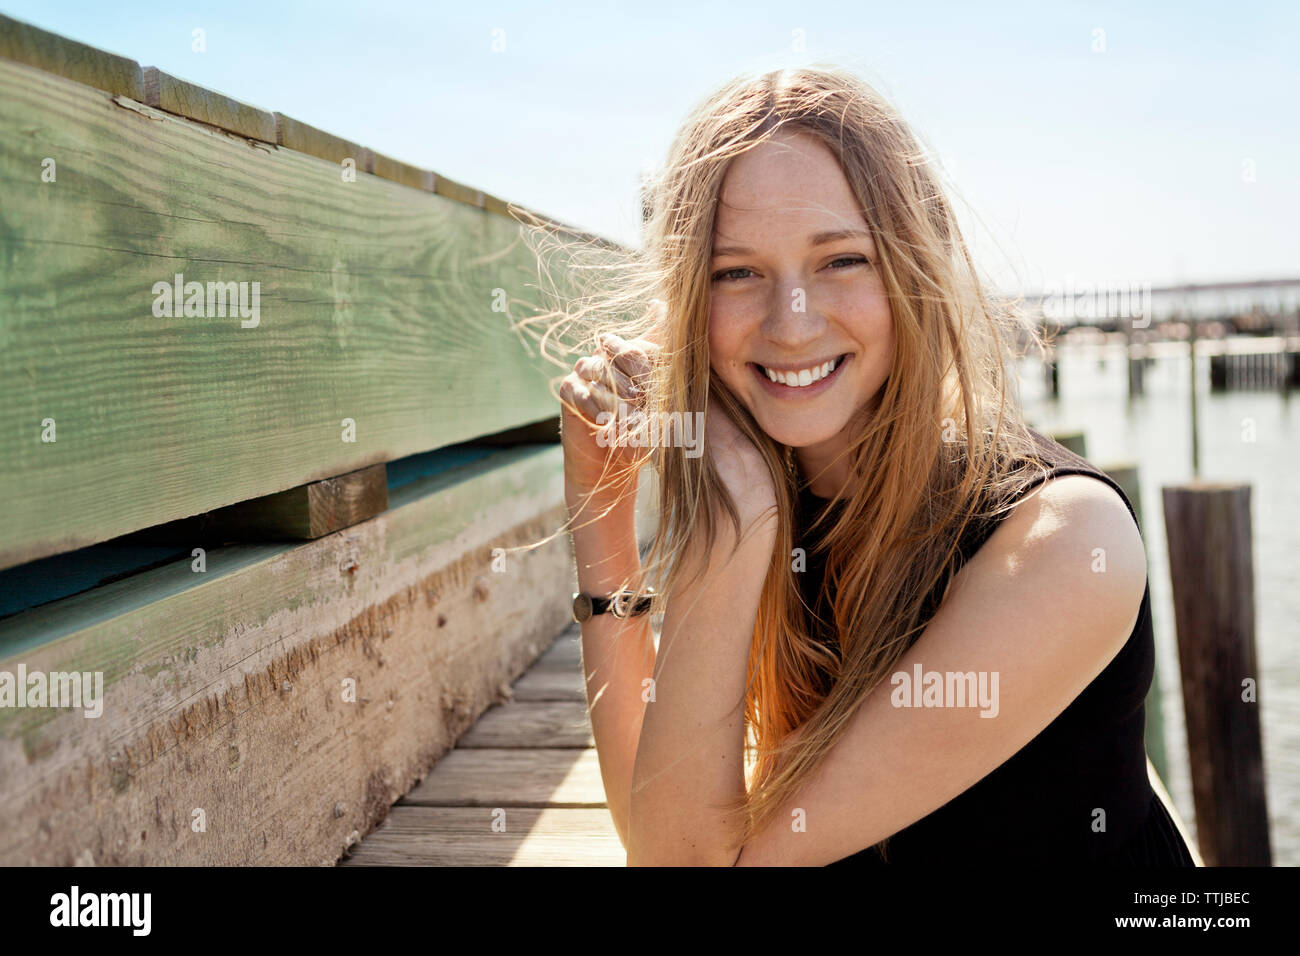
1040,805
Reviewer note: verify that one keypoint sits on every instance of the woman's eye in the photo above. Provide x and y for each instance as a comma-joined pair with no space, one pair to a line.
729,275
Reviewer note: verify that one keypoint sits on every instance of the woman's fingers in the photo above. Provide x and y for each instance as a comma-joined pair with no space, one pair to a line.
631,358
598,369
592,400
589,398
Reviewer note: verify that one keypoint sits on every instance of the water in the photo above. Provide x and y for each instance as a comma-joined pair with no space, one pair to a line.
1154,431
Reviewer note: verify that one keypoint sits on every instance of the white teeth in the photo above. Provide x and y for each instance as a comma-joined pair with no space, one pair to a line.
803,377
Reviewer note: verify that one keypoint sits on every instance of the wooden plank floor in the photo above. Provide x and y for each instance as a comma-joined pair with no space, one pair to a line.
529,766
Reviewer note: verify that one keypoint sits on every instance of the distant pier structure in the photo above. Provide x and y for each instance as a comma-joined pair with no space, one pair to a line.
1249,330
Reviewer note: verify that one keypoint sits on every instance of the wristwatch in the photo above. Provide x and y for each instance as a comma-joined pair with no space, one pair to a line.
586,606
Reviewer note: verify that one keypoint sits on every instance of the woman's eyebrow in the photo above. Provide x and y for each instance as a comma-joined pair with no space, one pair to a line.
817,239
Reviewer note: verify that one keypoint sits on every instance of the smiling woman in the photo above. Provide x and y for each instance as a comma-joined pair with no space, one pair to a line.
870,504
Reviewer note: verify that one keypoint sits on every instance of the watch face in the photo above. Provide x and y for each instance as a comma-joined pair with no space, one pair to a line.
581,607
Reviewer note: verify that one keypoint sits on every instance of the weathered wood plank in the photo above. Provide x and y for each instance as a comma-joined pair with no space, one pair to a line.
497,205
512,778
1212,577
385,167
175,95
297,135
552,683
463,836
460,192
225,691
307,511
67,58
532,724
159,417
566,652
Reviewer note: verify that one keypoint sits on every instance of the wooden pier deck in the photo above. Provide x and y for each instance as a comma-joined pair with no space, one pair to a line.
531,762
529,767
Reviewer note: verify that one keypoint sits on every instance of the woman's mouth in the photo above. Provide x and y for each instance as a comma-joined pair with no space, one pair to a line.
801,383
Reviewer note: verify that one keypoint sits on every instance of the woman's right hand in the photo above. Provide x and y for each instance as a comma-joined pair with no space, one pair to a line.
598,383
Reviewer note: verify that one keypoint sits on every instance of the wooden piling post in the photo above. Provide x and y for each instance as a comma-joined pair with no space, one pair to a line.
1207,525
1136,367
1196,442
1219,373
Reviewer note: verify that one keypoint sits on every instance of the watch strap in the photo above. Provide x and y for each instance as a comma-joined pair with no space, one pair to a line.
603,605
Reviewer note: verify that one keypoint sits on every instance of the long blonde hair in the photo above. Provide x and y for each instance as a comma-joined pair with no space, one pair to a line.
943,444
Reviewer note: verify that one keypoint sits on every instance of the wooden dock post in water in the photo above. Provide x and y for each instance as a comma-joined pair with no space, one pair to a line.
1052,374
1136,365
1196,431
1207,525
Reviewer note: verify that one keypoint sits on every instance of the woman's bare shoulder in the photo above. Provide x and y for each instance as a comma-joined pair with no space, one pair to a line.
1075,536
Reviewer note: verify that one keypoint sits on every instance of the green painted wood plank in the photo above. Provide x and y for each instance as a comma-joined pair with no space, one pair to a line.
174,95
376,307
115,74
76,61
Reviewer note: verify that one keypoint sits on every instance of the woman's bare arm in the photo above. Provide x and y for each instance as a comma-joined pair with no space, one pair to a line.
617,655
690,758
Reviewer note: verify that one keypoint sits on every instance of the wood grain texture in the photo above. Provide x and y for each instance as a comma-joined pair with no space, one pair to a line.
463,836
512,778
552,683
376,306
223,691
297,135
178,96
497,205
460,192
385,167
532,724
27,44
47,51
308,511
1212,578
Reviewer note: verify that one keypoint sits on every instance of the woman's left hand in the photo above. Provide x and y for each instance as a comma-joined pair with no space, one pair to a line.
740,466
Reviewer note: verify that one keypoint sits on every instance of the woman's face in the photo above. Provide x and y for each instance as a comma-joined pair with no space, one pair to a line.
794,286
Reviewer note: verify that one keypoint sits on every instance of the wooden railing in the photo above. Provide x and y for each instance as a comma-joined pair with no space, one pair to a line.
230,334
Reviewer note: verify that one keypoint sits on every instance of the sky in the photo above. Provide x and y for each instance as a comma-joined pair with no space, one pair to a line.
1088,142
